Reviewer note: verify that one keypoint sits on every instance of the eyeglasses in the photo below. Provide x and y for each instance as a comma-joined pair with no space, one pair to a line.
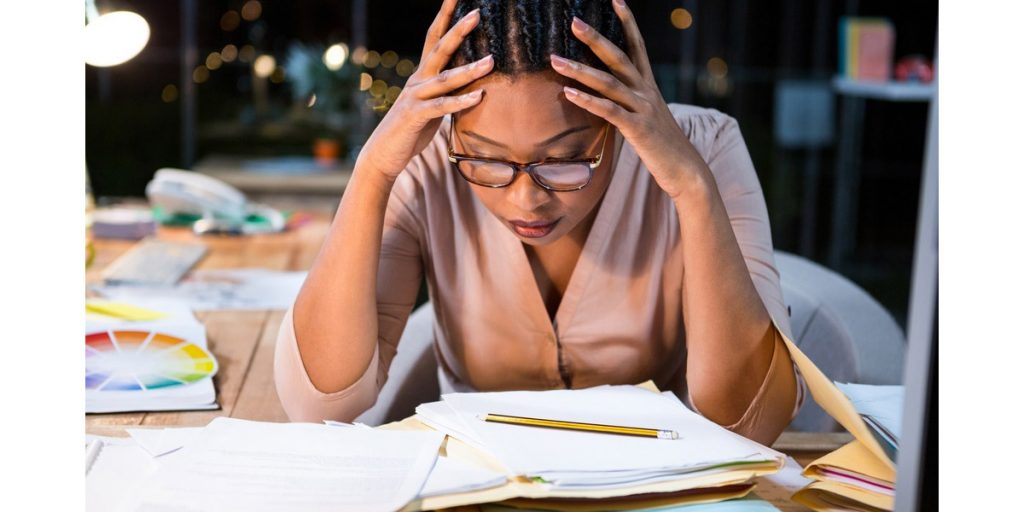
554,174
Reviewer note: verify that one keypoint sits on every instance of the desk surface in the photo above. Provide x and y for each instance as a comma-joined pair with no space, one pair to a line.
243,342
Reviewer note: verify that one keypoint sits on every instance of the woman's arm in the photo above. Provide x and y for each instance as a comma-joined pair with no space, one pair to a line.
335,313
326,350
733,353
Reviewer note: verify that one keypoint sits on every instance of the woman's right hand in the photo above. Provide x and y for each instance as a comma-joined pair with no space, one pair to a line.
416,114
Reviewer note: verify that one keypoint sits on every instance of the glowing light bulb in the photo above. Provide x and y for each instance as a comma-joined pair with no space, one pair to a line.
264,66
114,38
334,57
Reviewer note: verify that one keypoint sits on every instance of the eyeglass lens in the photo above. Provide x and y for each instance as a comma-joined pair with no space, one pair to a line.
557,176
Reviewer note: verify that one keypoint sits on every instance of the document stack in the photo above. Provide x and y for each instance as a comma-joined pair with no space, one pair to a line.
146,356
856,477
248,466
563,469
861,475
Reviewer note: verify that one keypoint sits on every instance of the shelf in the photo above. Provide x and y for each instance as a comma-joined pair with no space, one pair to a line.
886,91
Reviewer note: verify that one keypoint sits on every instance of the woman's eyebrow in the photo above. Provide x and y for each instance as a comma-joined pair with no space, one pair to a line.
545,142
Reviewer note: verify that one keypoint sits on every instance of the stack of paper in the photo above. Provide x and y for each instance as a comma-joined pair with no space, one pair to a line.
146,356
850,478
861,475
557,469
251,466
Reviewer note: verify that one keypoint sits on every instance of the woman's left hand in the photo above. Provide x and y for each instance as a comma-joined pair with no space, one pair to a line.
633,103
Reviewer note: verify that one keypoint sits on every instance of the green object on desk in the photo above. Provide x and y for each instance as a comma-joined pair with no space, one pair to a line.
177,219
174,219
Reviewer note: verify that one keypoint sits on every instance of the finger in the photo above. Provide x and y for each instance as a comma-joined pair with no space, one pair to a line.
637,47
449,80
442,52
442,105
600,81
601,107
611,55
438,27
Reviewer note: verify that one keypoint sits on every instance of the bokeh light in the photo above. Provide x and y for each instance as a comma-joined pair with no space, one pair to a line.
229,53
681,18
334,57
365,80
372,59
200,74
247,53
213,60
717,67
378,88
277,76
405,67
311,101
252,10
389,59
169,94
392,94
359,55
229,21
114,38
264,66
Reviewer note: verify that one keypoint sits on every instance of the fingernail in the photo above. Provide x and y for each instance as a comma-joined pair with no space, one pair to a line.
475,94
481,63
472,14
620,3
578,24
558,62
570,92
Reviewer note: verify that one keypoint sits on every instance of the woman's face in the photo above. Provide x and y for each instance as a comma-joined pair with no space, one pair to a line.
527,120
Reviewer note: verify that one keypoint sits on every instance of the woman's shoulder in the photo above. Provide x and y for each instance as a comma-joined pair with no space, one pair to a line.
702,125
711,131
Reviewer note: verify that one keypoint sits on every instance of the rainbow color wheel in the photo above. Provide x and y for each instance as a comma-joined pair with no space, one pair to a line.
142,361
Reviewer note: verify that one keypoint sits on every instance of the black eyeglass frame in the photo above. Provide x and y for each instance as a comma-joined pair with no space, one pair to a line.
592,163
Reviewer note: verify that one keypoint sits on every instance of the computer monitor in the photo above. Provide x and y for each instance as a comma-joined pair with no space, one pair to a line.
917,467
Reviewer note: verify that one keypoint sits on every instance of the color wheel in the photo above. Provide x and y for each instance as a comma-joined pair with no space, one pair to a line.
143,360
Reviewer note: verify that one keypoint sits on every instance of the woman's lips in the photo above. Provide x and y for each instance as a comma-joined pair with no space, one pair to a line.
534,229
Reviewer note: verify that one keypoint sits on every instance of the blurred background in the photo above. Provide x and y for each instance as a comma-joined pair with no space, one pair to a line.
275,97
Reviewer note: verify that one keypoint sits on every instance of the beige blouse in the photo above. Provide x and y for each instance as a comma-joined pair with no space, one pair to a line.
620,319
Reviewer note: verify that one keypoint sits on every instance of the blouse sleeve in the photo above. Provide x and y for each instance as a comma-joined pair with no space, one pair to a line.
726,155
398,282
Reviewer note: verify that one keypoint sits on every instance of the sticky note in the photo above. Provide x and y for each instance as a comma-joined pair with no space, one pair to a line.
122,310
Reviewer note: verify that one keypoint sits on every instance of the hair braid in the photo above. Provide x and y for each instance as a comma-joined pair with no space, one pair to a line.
521,33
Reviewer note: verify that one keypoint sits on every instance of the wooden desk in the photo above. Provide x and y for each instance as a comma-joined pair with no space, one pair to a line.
243,343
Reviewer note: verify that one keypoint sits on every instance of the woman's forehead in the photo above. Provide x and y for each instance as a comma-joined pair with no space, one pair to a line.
532,106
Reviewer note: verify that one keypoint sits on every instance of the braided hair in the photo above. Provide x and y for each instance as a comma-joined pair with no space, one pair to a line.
522,34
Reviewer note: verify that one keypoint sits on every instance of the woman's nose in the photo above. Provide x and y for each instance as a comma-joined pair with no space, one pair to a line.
526,195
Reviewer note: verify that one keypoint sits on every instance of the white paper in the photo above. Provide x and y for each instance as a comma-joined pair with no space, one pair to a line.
161,441
451,476
573,458
210,290
883,403
118,470
238,465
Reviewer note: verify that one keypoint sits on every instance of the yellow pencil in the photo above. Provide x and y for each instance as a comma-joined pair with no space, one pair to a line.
575,425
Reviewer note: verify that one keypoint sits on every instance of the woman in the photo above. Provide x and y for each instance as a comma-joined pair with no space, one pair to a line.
574,230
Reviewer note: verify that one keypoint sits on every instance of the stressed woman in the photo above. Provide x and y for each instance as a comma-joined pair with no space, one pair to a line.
573,228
